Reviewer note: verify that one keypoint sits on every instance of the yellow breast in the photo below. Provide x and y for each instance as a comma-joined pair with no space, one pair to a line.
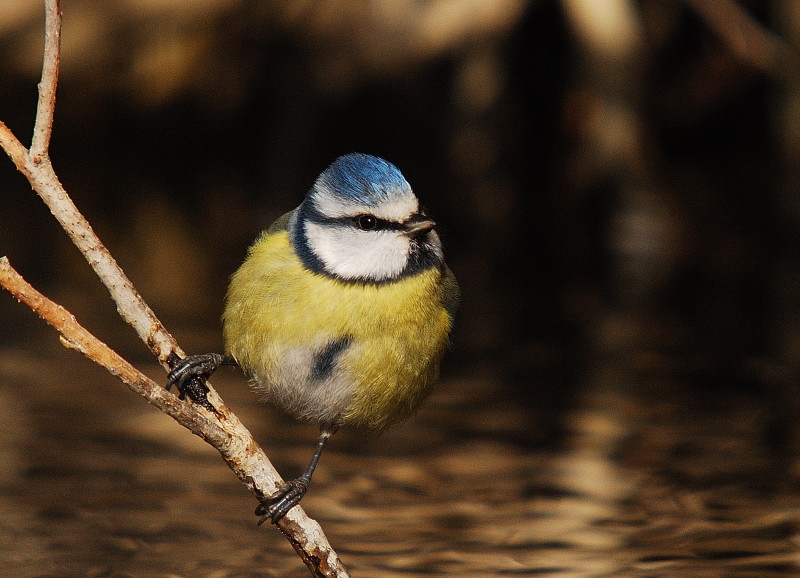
278,311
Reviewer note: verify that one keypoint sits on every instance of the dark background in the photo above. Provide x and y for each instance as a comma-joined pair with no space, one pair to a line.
615,189
570,178
599,183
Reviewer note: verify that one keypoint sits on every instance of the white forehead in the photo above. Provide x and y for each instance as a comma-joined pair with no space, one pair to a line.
398,206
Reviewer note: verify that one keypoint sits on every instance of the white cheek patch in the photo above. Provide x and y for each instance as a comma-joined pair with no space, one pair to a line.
398,207
353,254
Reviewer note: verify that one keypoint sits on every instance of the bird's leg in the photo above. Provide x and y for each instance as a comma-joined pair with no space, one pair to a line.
276,505
189,375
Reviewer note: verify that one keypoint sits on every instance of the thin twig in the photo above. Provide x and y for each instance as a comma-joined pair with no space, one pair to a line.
47,87
221,429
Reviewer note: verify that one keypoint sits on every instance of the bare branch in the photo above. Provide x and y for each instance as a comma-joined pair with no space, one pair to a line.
15,150
47,86
130,304
35,165
74,336
224,431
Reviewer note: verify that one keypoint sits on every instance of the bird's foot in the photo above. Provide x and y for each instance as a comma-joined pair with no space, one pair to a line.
276,505
189,376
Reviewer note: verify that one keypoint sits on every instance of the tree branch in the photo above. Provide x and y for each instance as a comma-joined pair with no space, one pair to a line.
43,127
35,165
222,429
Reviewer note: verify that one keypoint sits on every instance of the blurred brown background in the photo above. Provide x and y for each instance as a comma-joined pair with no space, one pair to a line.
582,157
616,181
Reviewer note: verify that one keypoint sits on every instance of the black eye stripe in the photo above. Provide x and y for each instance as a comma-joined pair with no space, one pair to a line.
362,222
368,222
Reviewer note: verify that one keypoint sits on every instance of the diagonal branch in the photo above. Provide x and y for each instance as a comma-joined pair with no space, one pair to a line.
222,430
130,304
74,336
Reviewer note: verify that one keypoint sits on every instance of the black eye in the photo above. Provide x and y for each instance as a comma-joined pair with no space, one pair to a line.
367,222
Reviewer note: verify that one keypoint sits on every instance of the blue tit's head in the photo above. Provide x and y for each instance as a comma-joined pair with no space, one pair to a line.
361,222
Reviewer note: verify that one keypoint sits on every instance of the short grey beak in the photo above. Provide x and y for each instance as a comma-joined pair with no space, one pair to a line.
417,225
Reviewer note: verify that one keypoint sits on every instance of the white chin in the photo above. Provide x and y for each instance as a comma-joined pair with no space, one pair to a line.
353,254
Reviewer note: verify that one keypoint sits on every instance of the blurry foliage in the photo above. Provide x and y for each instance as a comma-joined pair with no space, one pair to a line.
580,162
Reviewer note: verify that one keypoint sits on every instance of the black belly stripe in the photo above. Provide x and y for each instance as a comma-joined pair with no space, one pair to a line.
325,360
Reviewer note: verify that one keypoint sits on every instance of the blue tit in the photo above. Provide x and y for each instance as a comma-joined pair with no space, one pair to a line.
341,312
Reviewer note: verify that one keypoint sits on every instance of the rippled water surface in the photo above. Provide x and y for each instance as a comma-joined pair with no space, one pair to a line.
639,471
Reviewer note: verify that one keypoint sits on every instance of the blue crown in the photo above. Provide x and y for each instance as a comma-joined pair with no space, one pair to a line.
362,179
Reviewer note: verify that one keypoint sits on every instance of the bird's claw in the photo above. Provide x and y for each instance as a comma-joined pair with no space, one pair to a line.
189,376
277,505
